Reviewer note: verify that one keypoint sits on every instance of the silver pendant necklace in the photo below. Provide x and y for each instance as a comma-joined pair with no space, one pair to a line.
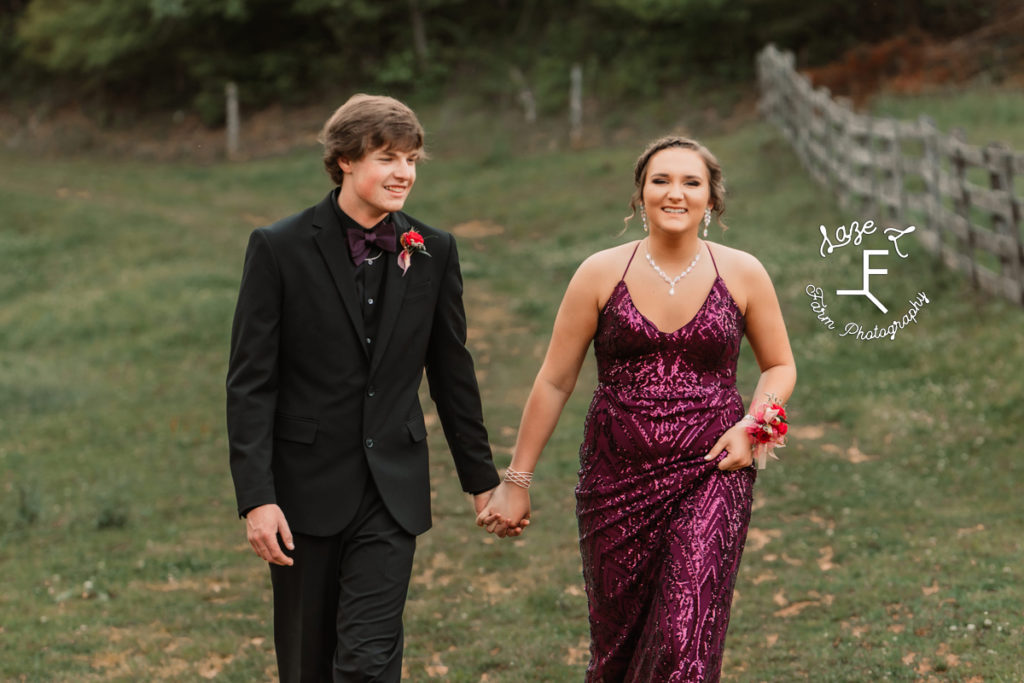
369,261
671,281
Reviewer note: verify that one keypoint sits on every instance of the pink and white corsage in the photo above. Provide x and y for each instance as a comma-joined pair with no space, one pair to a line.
767,429
411,242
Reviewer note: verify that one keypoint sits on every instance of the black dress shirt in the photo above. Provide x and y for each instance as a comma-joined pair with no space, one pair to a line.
369,275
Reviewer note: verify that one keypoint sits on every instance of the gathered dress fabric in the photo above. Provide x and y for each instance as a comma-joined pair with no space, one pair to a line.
661,529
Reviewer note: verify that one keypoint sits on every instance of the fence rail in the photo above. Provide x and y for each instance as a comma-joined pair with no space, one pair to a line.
962,199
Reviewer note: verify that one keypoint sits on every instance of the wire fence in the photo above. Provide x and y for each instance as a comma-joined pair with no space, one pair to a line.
964,201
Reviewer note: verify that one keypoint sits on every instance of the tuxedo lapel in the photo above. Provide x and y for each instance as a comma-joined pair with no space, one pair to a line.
331,240
394,293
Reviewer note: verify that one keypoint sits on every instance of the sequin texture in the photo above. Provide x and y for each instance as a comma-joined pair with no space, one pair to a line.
661,530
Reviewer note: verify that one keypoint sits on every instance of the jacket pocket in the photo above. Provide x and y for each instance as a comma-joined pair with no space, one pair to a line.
417,428
418,290
298,429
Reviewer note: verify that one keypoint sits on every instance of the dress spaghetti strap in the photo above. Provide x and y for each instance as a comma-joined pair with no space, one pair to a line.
712,260
630,262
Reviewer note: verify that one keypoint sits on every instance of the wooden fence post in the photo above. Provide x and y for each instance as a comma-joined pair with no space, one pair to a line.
1006,222
931,237
831,148
962,206
576,105
231,107
526,97
891,190
847,146
871,203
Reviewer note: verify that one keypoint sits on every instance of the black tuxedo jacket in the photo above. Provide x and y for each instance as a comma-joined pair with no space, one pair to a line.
314,413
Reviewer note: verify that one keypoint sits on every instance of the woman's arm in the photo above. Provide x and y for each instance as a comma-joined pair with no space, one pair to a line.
574,328
766,332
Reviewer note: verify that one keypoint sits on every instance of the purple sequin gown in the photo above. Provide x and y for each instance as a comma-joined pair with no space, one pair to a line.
661,530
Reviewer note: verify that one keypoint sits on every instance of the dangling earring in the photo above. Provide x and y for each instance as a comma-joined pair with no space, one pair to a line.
707,221
643,216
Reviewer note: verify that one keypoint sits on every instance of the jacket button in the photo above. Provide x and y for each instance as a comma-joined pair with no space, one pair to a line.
369,443
371,392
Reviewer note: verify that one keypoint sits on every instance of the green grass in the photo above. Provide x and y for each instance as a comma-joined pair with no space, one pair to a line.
984,113
885,545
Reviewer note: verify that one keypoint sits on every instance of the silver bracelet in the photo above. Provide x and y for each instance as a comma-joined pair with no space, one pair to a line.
520,479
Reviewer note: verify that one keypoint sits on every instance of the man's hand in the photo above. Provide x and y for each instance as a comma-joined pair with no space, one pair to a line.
480,500
507,513
262,525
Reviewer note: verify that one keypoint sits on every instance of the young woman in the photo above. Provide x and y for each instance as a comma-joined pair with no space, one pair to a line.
666,476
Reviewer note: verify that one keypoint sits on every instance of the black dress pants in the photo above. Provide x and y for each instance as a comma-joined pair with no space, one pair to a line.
338,609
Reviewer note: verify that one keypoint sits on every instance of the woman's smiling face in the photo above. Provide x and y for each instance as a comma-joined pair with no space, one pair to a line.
676,190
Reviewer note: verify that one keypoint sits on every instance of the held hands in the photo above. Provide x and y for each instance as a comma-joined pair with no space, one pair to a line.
507,512
262,526
736,444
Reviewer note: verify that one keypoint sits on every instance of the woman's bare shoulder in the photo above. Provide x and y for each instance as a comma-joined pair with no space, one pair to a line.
607,263
599,274
743,274
736,262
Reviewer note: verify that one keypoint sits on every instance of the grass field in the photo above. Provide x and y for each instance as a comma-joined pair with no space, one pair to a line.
984,114
885,545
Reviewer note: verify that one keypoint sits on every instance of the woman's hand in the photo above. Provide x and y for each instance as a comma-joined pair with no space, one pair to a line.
507,513
736,444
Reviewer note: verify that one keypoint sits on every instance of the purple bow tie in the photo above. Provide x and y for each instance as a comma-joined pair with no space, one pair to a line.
359,240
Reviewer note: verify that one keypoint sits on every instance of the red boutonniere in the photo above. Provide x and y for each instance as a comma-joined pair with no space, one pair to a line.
411,242
767,429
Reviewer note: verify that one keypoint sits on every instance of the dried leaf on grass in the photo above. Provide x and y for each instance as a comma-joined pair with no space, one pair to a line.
791,561
578,655
213,665
825,560
174,669
110,660
856,630
951,659
796,608
758,538
855,456
852,454
436,669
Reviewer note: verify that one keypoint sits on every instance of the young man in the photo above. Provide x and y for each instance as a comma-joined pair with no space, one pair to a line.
341,307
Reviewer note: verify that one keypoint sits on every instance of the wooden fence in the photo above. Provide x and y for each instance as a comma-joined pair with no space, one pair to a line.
961,199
